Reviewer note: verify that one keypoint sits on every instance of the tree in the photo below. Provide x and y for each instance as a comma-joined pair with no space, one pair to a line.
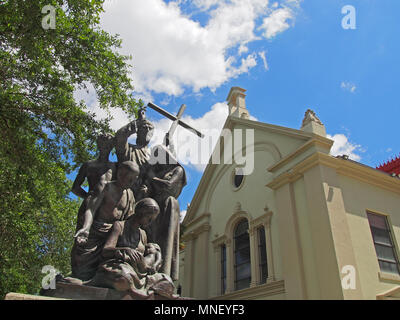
44,132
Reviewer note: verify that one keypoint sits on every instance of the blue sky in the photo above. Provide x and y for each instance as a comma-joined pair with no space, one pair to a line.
193,52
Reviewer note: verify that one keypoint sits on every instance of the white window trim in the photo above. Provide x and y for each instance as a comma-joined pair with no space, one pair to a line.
227,239
381,274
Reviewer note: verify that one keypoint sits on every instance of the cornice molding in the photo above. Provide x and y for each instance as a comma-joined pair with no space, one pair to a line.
343,167
269,127
317,141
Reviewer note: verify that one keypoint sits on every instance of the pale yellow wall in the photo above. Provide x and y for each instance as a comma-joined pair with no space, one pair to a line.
252,195
332,245
358,197
276,248
292,265
253,199
307,246
315,236
221,201
318,225
286,144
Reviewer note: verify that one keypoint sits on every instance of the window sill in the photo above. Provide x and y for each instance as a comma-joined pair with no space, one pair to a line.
384,276
252,293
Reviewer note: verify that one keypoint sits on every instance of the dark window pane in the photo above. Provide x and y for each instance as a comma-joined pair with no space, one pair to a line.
242,242
263,255
223,268
385,253
262,251
238,178
241,228
389,267
242,256
264,273
243,284
261,236
381,236
243,271
377,221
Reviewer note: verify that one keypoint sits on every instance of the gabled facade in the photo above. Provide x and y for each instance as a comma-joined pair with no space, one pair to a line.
302,225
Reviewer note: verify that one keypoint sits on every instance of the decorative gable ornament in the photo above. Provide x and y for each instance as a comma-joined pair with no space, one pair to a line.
311,123
310,116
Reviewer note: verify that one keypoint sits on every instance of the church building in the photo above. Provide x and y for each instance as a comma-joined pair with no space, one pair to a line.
302,225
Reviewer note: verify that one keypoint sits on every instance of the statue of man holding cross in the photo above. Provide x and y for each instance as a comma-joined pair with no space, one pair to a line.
161,178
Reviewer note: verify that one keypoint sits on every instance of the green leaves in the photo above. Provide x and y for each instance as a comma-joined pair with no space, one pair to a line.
37,220
41,68
44,132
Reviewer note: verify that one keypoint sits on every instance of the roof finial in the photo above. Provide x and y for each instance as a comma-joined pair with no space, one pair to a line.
311,123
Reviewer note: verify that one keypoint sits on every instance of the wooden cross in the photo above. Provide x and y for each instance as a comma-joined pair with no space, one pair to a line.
176,121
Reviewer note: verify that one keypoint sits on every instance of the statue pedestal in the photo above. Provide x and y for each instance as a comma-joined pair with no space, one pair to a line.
68,291
82,292
23,296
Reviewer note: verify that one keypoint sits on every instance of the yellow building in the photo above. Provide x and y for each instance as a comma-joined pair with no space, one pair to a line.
303,225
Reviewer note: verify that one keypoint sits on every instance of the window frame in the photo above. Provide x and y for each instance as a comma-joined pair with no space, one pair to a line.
392,238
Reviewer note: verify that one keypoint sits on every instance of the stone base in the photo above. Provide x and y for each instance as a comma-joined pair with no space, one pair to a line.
22,296
83,292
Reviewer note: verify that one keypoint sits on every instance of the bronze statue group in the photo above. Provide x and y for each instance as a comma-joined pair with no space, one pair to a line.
127,234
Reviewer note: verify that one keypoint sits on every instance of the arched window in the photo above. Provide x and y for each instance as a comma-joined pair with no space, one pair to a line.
242,255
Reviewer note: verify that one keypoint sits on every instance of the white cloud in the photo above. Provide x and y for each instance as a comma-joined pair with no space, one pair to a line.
186,143
172,52
206,4
246,64
264,59
348,86
342,146
120,118
276,22
182,215
190,149
242,49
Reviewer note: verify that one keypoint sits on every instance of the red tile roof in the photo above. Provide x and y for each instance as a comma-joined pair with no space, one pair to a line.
392,166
